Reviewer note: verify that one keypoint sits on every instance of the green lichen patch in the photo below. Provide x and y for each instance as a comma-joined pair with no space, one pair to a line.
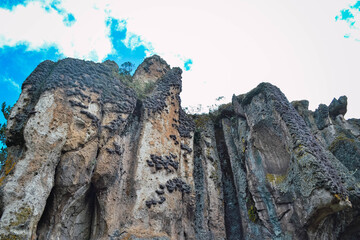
11,237
275,178
340,141
252,213
347,150
7,168
22,216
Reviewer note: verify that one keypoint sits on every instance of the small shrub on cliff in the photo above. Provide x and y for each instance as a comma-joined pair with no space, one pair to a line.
126,68
3,151
149,87
125,77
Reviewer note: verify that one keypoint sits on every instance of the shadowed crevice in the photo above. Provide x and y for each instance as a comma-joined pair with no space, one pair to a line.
199,182
233,224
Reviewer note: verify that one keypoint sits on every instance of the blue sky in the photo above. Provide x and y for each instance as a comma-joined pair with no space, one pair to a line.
18,61
310,49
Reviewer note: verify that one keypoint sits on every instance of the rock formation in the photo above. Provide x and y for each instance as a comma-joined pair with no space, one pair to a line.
90,156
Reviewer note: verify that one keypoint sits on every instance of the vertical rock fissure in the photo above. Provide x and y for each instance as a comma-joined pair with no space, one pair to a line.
94,206
237,145
233,224
82,135
199,189
45,220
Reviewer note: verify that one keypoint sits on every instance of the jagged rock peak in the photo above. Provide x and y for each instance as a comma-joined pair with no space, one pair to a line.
152,69
79,137
94,155
80,81
338,107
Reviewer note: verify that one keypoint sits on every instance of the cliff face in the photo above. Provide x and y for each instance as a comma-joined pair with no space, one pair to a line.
90,158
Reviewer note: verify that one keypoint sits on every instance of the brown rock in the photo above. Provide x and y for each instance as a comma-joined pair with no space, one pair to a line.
89,160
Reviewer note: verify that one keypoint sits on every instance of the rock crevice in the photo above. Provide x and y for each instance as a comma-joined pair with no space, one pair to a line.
90,157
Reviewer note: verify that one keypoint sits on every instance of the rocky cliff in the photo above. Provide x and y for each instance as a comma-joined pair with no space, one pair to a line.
94,155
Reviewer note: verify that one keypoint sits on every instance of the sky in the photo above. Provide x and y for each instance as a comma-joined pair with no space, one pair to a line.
309,49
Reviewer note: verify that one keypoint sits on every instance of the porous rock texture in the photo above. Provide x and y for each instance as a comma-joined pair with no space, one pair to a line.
88,158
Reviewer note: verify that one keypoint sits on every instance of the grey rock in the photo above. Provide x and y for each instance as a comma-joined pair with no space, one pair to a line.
321,116
338,106
89,159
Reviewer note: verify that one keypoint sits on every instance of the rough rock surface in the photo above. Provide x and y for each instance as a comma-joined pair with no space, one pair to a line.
89,160
149,71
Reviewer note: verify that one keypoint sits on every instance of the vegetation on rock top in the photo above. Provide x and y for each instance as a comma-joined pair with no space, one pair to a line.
3,151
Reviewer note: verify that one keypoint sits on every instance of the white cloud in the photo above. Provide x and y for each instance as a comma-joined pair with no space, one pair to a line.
133,41
234,45
13,84
37,27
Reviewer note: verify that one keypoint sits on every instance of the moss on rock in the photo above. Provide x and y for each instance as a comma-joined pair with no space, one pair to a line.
22,216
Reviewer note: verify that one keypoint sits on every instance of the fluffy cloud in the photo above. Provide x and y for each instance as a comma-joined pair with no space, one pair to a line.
237,44
40,24
234,45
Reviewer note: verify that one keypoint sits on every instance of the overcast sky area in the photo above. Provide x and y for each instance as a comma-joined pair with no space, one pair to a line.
309,49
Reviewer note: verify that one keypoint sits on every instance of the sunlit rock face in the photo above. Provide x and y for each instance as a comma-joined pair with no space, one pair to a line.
92,158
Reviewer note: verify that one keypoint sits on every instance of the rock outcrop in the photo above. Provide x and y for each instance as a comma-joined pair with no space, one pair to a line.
89,158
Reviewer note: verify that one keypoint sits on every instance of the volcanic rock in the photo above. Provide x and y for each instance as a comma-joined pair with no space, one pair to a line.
90,159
